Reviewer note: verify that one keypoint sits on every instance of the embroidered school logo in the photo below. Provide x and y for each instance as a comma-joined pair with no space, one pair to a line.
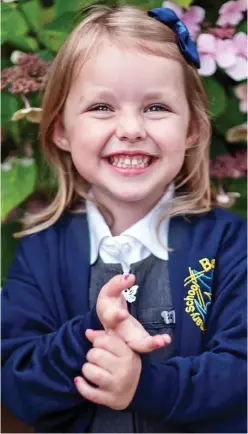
199,295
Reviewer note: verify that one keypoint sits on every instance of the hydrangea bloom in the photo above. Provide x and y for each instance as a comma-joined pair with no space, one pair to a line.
231,13
191,17
228,166
230,54
28,75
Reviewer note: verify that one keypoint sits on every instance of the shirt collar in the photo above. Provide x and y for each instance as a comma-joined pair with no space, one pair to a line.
144,230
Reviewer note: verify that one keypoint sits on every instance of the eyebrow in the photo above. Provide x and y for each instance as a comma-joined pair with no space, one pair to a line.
97,94
105,93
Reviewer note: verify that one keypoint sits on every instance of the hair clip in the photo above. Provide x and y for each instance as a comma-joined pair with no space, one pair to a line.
167,16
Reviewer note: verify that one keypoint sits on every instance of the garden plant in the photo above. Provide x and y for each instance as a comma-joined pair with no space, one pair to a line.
32,33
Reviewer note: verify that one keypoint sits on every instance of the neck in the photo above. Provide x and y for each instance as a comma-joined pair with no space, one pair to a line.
123,214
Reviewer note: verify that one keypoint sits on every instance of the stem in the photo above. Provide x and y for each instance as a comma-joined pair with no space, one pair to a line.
26,101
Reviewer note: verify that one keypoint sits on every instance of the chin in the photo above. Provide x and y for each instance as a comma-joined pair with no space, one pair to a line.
131,196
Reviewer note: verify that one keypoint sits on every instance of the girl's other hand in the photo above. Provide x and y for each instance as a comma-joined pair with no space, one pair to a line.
114,315
113,367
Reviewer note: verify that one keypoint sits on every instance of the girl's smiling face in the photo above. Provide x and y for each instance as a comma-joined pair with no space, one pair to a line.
125,123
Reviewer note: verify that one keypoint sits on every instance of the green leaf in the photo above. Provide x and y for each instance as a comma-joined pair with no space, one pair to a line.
217,147
62,6
216,96
242,27
32,11
8,244
24,43
18,182
9,105
144,4
56,33
46,55
12,24
53,39
5,63
47,15
62,23
231,117
183,3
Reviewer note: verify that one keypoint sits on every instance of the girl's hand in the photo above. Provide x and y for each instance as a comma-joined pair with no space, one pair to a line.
113,313
113,367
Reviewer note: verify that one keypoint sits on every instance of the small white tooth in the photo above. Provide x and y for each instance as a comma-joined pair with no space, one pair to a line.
134,161
145,159
127,161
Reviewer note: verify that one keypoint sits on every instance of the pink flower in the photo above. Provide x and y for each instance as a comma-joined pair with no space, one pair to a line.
191,17
231,13
229,54
241,94
238,71
228,166
222,33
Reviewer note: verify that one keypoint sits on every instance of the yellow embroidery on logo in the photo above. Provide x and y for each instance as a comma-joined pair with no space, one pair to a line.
196,304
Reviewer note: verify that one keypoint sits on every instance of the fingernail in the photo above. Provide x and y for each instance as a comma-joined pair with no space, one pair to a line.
76,380
126,276
159,345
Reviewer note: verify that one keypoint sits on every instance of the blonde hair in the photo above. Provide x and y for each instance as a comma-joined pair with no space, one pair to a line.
122,25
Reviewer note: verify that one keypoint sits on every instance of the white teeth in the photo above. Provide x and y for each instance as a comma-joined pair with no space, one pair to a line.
131,162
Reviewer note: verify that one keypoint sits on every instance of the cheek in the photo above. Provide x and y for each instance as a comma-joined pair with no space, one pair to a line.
171,140
89,136
171,133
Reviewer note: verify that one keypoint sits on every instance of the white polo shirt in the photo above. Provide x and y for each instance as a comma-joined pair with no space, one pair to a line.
135,243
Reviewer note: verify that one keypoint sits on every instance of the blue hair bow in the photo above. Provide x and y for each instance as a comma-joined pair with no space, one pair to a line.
167,16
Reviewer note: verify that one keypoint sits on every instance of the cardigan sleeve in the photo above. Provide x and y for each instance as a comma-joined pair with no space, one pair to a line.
208,391
39,359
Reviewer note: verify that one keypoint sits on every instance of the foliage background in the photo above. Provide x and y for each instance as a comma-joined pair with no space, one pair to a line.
40,27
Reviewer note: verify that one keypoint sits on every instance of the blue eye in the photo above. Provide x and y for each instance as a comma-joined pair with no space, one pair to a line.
157,107
100,107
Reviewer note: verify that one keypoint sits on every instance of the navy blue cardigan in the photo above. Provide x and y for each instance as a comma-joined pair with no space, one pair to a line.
45,312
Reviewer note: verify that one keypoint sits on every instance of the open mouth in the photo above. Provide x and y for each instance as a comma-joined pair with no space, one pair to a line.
131,161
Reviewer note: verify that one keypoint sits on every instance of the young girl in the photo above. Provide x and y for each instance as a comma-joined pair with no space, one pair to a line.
86,348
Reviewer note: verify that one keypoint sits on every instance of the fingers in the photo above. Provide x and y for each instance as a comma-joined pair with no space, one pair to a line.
102,358
145,344
116,285
96,375
93,394
92,334
112,344
113,316
149,343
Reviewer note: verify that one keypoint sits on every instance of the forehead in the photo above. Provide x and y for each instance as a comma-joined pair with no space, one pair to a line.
128,71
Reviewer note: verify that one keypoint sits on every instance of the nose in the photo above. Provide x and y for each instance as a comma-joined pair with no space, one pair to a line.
130,128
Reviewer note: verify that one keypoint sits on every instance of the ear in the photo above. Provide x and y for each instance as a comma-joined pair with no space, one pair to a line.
59,136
